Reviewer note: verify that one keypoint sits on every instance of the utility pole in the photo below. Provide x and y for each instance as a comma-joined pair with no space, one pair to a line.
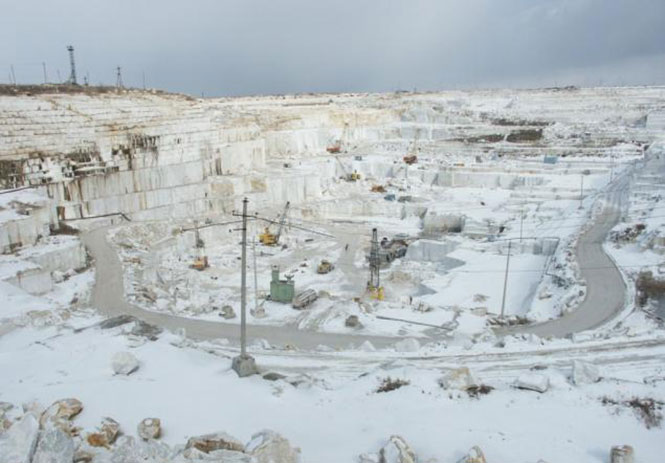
611,167
505,282
13,76
521,220
256,284
143,76
44,69
72,75
244,364
118,78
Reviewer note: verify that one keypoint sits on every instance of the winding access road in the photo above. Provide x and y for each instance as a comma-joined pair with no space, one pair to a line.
108,296
604,298
605,287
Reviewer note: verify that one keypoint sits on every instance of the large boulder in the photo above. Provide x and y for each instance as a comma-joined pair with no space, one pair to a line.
5,423
17,445
149,428
218,456
475,455
533,382
55,446
227,312
60,413
585,373
130,450
106,434
352,321
124,363
269,447
459,378
215,441
396,450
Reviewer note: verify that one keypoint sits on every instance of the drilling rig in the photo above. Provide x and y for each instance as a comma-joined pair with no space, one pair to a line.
374,287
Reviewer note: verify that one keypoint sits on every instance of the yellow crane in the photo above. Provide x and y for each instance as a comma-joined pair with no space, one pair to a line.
272,239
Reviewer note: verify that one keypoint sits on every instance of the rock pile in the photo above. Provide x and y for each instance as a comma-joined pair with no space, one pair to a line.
49,436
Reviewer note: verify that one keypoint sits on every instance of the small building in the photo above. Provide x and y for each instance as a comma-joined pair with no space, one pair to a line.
550,159
281,290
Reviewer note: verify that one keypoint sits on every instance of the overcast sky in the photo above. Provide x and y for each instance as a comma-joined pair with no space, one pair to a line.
271,46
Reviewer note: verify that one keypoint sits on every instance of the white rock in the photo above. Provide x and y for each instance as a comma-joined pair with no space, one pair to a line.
269,447
407,345
475,455
397,451
149,428
34,408
124,363
459,378
585,373
261,343
228,312
533,382
218,456
215,441
129,450
17,445
61,411
367,347
55,446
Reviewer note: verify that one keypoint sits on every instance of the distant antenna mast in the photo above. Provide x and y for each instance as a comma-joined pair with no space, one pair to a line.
72,75
118,80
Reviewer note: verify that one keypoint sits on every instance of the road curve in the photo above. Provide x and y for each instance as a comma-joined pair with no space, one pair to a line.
108,296
604,298
605,287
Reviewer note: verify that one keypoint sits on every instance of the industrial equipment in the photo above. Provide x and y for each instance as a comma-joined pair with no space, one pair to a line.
325,267
411,156
374,287
336,147
281,290
348,176
201,260
267,237
304,299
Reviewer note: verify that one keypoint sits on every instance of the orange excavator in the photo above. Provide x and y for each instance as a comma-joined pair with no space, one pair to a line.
411,157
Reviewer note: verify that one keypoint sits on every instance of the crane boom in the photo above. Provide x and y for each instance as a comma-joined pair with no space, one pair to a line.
281,222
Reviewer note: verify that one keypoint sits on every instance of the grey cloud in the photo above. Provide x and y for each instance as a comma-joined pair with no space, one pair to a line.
252,46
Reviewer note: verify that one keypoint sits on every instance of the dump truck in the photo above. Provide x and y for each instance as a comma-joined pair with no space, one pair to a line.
304,299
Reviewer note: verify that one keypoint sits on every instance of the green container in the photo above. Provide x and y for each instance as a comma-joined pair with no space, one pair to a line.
281,290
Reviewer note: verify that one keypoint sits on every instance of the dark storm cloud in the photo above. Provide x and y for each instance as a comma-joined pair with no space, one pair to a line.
249,47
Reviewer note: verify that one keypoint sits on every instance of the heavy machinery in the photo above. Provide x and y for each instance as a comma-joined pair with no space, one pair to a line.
336,146
267,237
411,156
348,176
304,299
201,260
325,267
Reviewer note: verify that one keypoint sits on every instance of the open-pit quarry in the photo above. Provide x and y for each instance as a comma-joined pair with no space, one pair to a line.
472,276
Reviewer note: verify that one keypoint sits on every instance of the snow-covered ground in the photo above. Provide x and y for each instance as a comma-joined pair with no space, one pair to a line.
506,187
